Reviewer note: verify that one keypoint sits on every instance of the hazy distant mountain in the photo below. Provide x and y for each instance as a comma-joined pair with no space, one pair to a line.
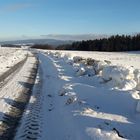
56,39
53,42
76,37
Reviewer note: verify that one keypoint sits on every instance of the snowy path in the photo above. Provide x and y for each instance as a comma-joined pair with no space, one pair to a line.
9,57
58,124
69,107
13,97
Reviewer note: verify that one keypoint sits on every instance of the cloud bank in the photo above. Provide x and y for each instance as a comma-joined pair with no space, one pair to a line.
74,37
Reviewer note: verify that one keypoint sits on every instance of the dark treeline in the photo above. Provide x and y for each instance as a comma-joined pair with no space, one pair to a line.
43,46
113,43
10,45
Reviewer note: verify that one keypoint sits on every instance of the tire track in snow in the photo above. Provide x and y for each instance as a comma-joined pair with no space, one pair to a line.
31,123
6,76
18,98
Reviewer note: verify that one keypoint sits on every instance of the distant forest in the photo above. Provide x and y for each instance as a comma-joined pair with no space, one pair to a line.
43,46
114,43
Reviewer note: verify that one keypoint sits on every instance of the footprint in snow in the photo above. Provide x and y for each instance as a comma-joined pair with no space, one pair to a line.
49,95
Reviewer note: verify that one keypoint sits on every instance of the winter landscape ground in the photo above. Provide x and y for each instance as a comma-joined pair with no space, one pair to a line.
69,95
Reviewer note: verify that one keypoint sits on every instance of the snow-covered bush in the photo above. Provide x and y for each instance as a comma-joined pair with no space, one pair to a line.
90,61
90,71
84,70
77,59
126,78
137,78
81,71
106,73
50,53
108,62
68,58
71,100
98,66
57,54
62,92
137,75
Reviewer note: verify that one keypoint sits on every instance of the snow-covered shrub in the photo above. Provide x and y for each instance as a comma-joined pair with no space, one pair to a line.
71,100
90,71
137,75
137,78
90,61
47,52
69,61
62,92
108,62
83,62
50,53
57,54
98,66
77,59
65,90
76,66
68,58
106,73
81,71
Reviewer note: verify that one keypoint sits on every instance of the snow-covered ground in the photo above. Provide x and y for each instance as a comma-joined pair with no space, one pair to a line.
14,87
86,99
10,57
81,96
121,58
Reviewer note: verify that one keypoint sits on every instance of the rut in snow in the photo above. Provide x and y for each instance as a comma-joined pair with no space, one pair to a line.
31,122
11,118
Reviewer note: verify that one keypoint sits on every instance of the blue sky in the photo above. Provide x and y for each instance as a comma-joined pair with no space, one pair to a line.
32,18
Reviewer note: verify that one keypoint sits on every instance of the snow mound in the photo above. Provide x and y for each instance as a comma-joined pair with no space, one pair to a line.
119,76
115,76
98,66
98,134
90,71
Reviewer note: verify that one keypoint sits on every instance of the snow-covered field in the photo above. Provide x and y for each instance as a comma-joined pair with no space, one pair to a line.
121,58
85,99
83,96
9,57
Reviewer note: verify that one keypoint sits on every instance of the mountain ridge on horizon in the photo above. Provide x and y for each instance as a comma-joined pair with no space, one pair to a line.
37,41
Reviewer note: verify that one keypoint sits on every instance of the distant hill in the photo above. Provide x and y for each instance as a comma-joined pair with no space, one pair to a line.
53,42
